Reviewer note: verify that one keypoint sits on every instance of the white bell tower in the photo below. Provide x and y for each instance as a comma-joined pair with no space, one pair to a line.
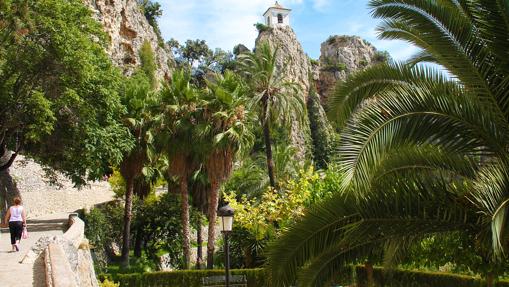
277,15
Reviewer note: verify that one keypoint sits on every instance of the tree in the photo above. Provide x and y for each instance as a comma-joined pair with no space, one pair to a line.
181,108
139,99
422,154
226,125
60,106
274,98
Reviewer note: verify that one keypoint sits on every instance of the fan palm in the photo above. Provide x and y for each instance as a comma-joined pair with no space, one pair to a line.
181,108
273,96
138,98
422,153
226,125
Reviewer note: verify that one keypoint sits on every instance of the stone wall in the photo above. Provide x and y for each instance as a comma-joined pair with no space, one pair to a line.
67,258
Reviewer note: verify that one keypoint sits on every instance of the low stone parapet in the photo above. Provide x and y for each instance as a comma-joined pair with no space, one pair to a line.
67,258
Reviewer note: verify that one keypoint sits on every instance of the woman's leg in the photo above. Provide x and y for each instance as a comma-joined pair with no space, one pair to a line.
19,230
12,231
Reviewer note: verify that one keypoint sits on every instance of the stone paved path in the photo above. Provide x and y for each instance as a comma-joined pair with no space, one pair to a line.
14,274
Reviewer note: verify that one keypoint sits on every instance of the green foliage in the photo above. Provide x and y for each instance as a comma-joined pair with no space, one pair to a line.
189,278
59,104
159,221
103,226
195,52
453,250
108,283
322,134
334,67
407,278
260,219
148,64
331,40
382,57
423,153
262,27
314,62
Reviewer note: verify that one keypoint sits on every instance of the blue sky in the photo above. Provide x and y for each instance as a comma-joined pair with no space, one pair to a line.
225,23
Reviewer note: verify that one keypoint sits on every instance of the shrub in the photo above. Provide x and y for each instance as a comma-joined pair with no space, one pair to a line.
407,278
335,67
331,40
261,27
382,56
314,62
108,283
187,278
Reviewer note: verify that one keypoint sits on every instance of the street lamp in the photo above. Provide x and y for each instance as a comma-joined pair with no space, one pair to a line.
226,215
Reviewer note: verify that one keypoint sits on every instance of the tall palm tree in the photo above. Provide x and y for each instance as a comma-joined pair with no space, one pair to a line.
422,153
274,97
182,107
138,98
226,125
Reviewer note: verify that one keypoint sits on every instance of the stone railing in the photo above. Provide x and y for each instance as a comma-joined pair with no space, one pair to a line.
68,260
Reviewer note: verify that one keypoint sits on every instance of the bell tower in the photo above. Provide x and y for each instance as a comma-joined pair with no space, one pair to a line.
277,15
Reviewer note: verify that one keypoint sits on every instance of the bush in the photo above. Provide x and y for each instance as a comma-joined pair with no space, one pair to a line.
187,278
382,56
314,62
407,278
108,283
261,27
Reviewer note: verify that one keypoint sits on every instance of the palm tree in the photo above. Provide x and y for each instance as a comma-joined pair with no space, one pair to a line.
226,125
422,153
138,98
275,98
182,108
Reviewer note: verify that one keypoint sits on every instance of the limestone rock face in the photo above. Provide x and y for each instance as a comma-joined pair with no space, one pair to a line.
295,64
128,29
291,55
342,56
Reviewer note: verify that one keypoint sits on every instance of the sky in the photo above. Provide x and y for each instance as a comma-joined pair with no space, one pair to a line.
226,23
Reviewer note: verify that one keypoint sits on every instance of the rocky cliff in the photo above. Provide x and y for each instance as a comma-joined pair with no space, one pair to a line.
342,56
128,29
295,64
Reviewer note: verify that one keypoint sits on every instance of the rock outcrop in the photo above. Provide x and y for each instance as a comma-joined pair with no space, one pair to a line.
295,64
127,29
342,56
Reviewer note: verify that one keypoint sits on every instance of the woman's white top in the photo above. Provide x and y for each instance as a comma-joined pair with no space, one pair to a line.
16,213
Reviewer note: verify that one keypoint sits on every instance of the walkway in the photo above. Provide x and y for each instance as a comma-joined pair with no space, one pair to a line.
14,274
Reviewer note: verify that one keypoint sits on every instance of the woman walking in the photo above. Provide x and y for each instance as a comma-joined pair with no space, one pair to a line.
17,221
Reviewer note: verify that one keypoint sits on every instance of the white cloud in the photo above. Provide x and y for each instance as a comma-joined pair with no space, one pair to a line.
223,23
226,23
321,5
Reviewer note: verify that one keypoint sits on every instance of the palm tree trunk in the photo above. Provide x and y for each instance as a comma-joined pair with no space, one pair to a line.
490,279
212,215
127,221
268,152
369,274
199,242
184,197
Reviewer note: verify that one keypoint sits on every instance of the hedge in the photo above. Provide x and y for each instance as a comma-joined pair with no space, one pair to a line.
186,278
408,278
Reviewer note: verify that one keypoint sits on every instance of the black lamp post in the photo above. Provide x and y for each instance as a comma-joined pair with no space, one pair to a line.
226,215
